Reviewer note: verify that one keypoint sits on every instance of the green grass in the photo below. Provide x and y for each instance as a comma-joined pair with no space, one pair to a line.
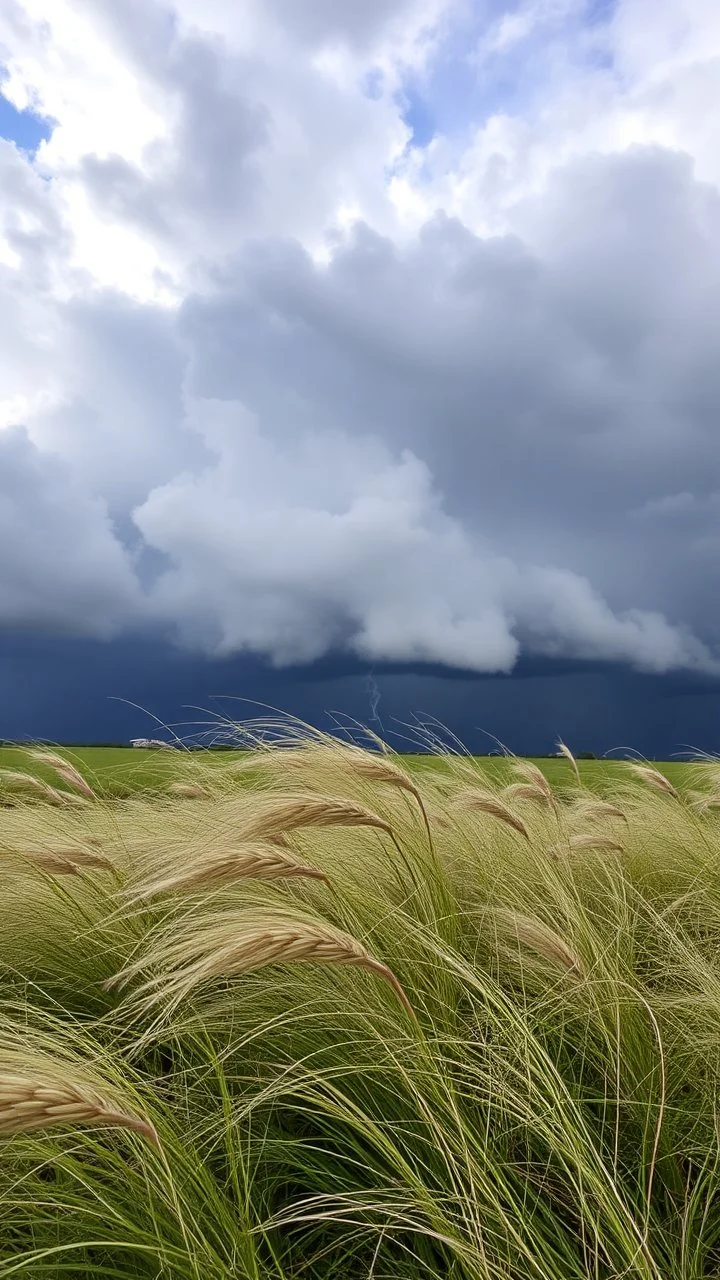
600,775
546,1110
123,771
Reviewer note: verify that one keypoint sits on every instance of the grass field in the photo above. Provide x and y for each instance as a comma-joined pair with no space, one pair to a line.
337,1015
122,771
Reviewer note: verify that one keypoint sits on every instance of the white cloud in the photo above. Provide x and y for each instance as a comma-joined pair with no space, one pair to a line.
331,541
647,77
246,342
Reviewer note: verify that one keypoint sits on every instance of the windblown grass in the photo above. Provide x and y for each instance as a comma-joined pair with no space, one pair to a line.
308,1013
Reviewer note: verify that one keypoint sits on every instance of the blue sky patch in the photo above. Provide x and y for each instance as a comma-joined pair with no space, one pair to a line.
419,117
467,82
24,128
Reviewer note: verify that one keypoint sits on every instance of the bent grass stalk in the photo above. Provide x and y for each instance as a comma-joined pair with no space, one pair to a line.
65,770
527,791
654,778
254,862
536,936
567,753
33,1098
485,802
232,943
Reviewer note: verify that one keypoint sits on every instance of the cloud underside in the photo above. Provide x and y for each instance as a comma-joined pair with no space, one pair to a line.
250,401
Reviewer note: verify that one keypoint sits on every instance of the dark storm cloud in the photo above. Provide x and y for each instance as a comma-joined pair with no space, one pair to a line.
554,388
433,452
449,448
552,391
61,566
120,423
82,691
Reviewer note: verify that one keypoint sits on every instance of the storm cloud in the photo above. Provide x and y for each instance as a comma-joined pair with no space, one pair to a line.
276,381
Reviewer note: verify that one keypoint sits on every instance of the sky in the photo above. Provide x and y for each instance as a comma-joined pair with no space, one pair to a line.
362,348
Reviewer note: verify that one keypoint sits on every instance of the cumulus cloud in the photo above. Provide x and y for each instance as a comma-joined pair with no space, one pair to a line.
331,542
291,385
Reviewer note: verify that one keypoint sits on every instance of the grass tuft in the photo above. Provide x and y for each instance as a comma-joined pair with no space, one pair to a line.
320,1011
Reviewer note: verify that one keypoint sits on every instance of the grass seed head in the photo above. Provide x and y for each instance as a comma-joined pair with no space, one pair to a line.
276,815
81,857
33,1099
252,862
189,790
538,938
231,943
315,759
654,778
486,802
567,753
65,770
15,778
528,791
378,767
703,802
56,864
529,772
595,843
592,810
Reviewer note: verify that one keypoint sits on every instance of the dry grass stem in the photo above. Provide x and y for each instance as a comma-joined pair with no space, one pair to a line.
486,802
65,770
567,753
539,938
30,1101
654,778
276,815
230,944
256,862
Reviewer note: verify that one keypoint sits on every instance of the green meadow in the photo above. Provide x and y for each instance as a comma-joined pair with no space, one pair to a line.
122,771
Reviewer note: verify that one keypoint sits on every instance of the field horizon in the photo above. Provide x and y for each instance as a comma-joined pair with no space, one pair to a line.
121,771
